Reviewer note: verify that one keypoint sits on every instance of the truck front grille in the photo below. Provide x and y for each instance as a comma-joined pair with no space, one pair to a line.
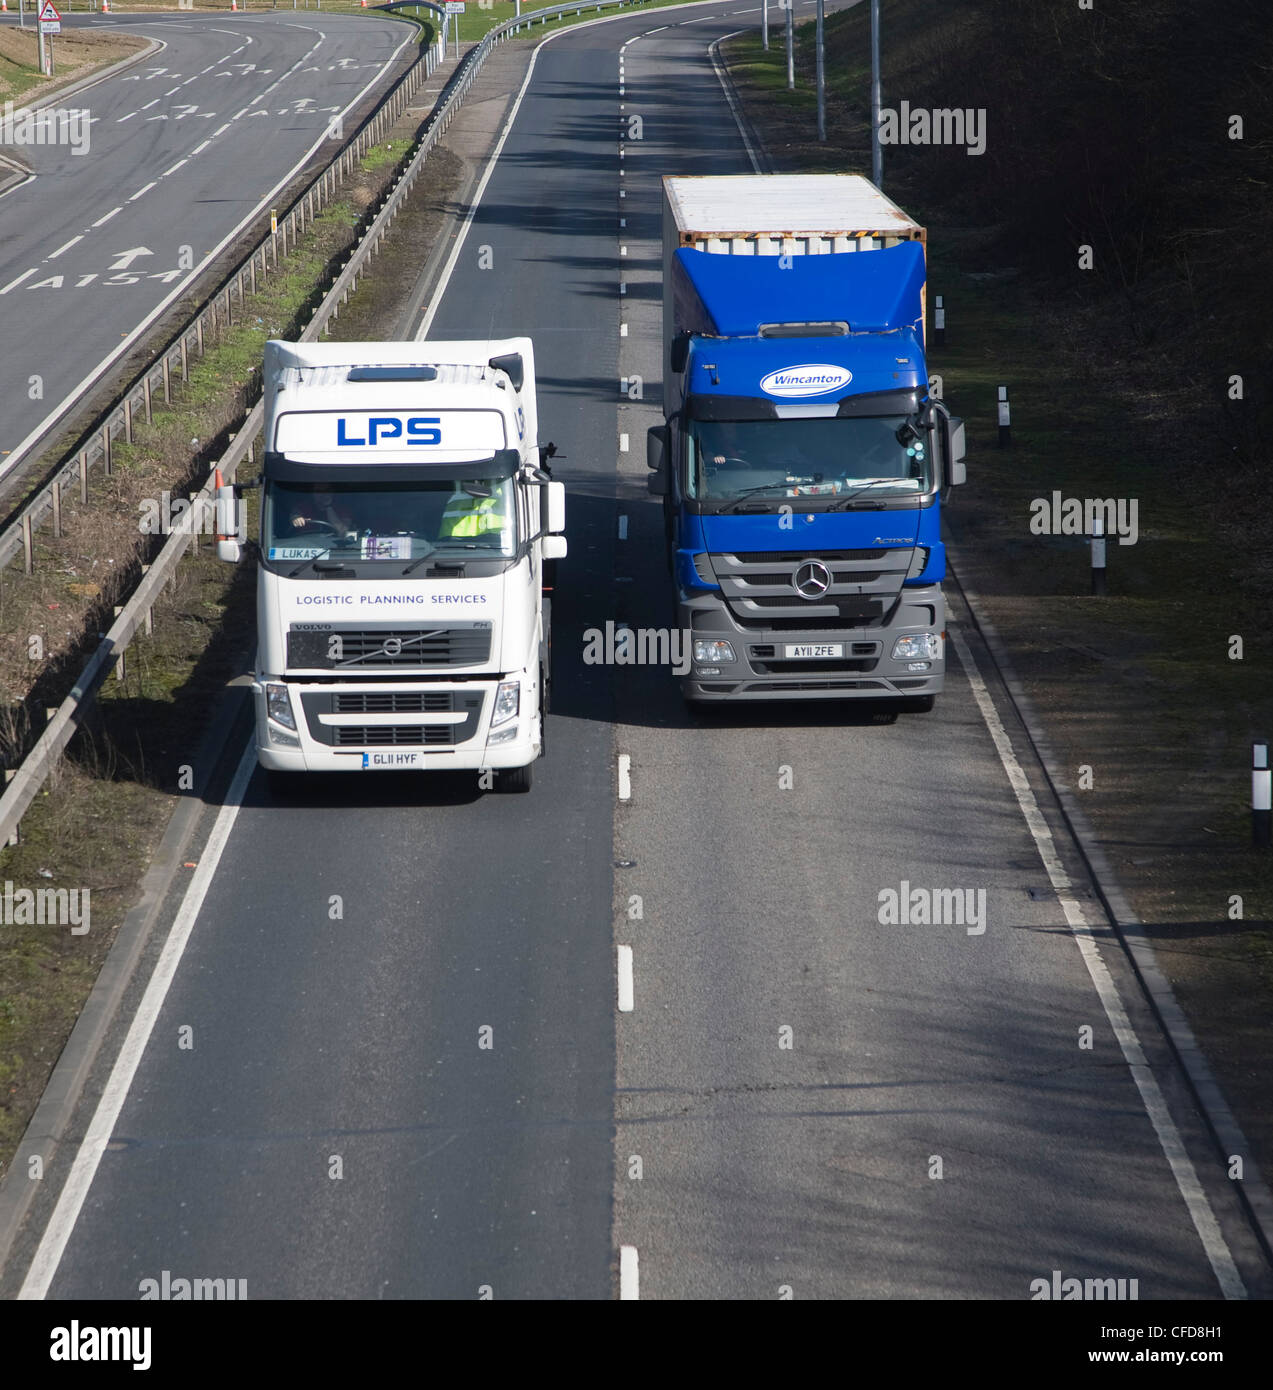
313,647
341,728
863,587
394,735
391,701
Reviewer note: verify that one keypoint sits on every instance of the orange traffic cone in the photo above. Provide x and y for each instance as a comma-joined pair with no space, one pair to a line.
106,6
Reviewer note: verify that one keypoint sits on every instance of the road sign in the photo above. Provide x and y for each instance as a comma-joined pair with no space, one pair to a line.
454,6
50,20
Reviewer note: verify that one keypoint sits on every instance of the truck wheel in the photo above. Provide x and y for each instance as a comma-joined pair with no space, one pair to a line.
917,704
514,779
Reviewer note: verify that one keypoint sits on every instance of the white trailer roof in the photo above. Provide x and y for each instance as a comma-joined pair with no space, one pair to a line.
785,205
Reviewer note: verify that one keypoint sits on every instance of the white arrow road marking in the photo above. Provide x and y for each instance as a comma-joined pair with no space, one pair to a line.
126,258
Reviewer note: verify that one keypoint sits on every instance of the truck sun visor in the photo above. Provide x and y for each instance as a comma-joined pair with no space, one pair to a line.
280,467
392,374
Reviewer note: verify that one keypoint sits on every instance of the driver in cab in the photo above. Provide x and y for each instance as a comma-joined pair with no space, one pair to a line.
319,511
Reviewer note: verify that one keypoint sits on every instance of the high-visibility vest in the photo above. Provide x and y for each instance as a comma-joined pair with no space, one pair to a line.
471,516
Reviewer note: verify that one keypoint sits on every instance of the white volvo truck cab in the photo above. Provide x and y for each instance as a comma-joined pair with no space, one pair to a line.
407,523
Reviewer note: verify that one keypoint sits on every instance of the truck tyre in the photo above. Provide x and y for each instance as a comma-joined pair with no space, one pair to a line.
514,779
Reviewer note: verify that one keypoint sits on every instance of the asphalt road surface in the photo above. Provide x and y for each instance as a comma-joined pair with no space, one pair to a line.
804,1098
176,155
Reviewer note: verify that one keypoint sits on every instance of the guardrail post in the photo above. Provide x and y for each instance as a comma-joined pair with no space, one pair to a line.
185,360
106,449
28,558
55,495
145,395
1261,796
15,835
84,476
198,334
128,420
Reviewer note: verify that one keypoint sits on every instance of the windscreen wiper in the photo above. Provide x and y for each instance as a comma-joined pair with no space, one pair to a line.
761,487
857,492
339,567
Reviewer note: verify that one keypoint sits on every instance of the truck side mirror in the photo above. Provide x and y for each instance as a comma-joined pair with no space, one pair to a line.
553,547
680,352
228,547
656,484
554,514
655,446
958,468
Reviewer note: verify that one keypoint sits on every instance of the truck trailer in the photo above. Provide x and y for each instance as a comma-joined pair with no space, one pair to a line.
803,458
408,521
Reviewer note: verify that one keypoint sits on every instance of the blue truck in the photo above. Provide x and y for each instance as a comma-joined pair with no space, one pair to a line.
804,458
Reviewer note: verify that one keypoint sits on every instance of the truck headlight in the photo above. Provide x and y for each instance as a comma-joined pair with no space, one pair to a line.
712,653
278,705
917,646
507,702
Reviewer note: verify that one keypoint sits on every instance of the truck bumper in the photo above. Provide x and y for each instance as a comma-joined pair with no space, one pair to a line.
864,669
433,726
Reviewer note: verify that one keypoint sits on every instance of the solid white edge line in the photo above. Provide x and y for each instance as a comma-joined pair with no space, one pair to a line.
729,97
625,776
58,1232
16,454
627,981
629,1274
1173,1147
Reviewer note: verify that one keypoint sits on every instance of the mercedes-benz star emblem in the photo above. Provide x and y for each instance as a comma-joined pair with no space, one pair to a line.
812,579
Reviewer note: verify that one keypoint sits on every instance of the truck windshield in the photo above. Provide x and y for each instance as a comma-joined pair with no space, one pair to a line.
389,522
824,461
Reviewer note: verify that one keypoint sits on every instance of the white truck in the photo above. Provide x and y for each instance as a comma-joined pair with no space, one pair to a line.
408,521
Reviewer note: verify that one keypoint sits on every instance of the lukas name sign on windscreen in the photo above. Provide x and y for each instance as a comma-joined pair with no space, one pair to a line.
442,436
